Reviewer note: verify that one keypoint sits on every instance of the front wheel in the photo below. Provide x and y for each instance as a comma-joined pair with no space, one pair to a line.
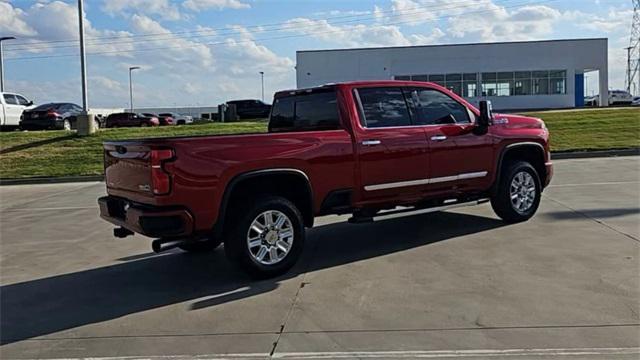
518,195
267,237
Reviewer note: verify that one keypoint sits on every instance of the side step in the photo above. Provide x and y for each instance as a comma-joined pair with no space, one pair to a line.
392,214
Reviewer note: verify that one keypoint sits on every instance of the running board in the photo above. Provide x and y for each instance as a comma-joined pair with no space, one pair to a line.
392,214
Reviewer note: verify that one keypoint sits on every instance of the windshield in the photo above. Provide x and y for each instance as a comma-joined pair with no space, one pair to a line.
48,106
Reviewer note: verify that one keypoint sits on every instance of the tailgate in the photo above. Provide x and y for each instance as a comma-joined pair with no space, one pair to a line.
127,166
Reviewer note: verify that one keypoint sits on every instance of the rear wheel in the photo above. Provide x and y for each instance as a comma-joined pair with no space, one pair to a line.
518,194
267,237
66,124
144,124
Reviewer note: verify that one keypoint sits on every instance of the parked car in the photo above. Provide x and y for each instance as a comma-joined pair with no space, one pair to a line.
179,119
11,108
251,109
163,120
592,100
128,119
363,148
61,116
619,97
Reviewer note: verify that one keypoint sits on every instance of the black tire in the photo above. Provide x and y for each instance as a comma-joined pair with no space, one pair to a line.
144,124
236,243
66,125
201,246
502,203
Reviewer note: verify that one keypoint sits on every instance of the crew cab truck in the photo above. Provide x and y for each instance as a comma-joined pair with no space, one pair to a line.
374,149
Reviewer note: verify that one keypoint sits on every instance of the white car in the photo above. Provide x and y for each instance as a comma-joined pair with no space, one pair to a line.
619,97
179,119
636,101
616,97
11,107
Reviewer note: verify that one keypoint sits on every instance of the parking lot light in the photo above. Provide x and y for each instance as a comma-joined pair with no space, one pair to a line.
2,61
131,68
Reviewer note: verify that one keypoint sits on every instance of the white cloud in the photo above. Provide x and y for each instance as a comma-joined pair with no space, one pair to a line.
55,21
162,8
198,5
12,22
356,35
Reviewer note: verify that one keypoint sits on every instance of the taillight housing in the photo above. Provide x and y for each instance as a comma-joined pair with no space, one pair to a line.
160,178
53,114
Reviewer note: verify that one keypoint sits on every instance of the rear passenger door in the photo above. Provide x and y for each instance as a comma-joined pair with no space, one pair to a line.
13,110
459,158
392,151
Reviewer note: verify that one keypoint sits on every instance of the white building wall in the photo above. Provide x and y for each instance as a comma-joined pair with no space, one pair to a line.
327,66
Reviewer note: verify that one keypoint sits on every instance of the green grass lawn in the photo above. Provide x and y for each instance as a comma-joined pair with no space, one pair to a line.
596,129
60,153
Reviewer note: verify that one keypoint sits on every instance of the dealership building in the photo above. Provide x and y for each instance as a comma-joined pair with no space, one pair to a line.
513,75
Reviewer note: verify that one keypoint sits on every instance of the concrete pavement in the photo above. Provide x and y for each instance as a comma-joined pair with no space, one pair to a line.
449,284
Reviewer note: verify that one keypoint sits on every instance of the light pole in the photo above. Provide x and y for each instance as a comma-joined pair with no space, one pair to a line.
2,61
262,80
83,57
131,68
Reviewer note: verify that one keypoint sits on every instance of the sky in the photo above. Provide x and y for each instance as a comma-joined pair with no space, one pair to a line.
204,52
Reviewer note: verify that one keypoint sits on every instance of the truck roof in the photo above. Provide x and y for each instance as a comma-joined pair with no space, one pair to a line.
355,84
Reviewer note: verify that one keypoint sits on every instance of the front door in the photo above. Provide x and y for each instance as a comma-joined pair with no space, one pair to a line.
459,158
392,152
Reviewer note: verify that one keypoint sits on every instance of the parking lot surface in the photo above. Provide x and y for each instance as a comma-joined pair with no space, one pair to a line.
448,284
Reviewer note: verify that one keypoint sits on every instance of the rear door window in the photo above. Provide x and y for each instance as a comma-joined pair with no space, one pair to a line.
383,107
10,99
305,112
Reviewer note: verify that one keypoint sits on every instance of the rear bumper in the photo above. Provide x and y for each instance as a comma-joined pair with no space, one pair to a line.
42,124
147,220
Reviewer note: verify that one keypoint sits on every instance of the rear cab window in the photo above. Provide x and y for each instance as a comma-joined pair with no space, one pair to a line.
305,111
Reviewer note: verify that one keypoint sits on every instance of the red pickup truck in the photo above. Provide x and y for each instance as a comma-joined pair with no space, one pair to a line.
374,149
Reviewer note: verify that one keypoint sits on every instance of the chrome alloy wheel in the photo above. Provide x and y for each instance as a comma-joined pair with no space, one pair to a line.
522,192
270,237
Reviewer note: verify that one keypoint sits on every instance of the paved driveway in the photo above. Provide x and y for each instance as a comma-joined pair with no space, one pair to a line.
454,284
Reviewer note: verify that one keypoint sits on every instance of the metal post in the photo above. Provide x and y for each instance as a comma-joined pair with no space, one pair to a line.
262,79
2,61
131,86
83,57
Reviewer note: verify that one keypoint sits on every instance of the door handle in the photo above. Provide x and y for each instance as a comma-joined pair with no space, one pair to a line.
371,142
439,138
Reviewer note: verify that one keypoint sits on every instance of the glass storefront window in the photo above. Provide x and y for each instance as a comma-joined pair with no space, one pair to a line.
503,83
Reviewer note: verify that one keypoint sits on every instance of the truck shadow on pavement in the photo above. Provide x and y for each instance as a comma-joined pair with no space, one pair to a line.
49,305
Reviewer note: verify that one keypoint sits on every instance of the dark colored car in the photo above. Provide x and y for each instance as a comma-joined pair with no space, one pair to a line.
128,119
62,116
162,118
375,149
251,109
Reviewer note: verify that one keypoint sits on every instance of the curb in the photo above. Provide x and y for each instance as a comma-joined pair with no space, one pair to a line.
51,180
91,178
594,153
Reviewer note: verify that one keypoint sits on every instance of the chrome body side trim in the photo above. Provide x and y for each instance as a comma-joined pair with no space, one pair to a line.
393,185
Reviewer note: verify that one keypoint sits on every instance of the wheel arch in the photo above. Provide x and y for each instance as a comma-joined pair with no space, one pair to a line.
530,151
292,184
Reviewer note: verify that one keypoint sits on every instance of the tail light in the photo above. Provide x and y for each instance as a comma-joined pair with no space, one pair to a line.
52,113
160,178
